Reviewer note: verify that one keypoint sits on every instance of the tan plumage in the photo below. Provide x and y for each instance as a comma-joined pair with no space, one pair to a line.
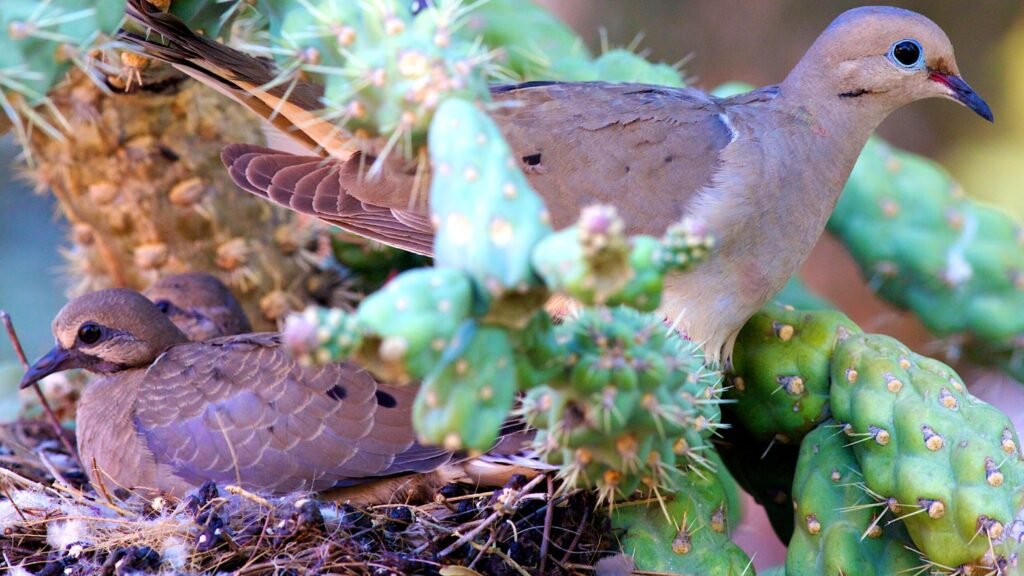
168,414
763,170
200,305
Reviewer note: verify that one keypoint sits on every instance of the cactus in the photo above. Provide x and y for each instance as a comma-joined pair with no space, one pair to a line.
950,462
409,324
686,533
780,374
958,264
489,217
763,469
531,41
39,42
140,181
839,526
209,18
633,404
468,395
384,69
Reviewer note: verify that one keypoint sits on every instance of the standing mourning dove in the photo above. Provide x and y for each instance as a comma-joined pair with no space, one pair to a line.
200,305
761,170
169,414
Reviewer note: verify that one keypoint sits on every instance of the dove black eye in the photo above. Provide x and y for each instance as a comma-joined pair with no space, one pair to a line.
89,333
907,53
163,305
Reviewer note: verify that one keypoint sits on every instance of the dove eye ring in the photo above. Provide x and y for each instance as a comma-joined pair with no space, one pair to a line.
907,54
90,333
163,305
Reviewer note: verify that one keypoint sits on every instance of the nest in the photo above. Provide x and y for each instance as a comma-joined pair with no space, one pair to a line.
54,522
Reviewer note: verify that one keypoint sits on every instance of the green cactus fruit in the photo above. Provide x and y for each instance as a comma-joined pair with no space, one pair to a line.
632,406
686,533
538,355
409,323
489,220
684,244
643,290
465,400
950,463
780,373
763,469
322,335
589,261
840,528
957,263
732,89
39,41
622,65
532,42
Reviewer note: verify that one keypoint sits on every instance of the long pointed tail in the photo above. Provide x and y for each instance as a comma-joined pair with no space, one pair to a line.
291,105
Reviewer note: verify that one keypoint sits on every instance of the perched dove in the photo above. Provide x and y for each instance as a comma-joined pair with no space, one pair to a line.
168,415
200,305
761,170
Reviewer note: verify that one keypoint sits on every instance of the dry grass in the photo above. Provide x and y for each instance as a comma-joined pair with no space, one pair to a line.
53,523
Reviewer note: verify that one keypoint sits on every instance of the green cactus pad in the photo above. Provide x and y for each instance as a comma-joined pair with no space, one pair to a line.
464,401
796,294
410,322
780,375
621,65
951,462
840,528
489,220
957,263
687,533
207,17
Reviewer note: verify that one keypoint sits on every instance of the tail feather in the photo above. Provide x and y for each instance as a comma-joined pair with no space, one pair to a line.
291,105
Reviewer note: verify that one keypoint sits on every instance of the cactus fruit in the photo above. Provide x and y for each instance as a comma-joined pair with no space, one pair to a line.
780,374
839,526
950,463
210,18
958,264
467,397
634,405
410,322
685,533
622,65
384,69
39,41
596,263
488,219
796,294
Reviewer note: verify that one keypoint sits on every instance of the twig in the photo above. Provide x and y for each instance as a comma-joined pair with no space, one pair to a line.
549,516
488,521
576,537
16,343
3,486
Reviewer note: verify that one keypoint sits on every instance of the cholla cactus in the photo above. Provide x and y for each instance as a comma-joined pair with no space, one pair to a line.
957,263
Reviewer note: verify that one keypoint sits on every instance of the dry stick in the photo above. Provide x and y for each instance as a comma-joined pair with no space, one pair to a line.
487,521
16,343
549,516
3,486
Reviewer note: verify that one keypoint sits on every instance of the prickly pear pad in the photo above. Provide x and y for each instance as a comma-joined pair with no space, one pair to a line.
951,462
837,525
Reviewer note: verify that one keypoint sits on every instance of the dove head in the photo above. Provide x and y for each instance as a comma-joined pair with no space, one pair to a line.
879,59
106,331
200,305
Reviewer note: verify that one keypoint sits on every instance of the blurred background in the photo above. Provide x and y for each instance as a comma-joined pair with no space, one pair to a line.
725,40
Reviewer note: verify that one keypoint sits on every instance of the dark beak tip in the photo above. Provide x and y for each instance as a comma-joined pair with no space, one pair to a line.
56,360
